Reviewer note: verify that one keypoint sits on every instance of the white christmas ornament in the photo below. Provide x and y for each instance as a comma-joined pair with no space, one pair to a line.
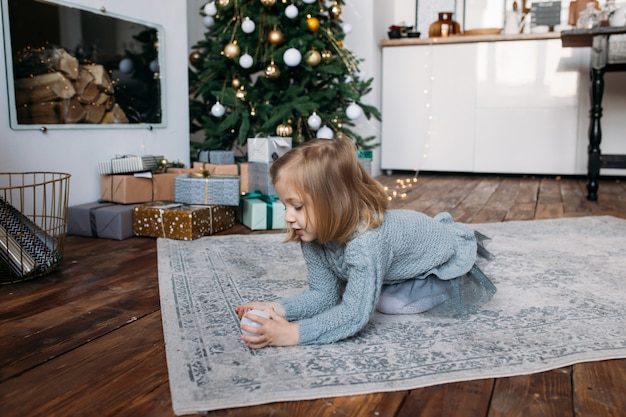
347,28
248,25
291,11
248,322
210,9
309,1
325,132
354,111
292,57
218,110
208,21
246,61
126,65
314,121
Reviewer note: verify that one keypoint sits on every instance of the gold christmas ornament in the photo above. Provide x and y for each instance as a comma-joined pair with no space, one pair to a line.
232,50
284,130
241,94
335,11
327,55
236,83
268,3
194,58
313,58
313,23
223,3
272,71
252,111
275,37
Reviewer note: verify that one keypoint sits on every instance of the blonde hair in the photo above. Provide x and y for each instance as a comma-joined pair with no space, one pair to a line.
338,194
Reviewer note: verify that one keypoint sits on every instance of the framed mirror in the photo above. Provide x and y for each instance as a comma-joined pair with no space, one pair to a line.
69,67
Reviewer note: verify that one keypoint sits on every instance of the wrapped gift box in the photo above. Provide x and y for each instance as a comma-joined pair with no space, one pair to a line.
239,169
181,222
267,149
132,189
262,212
222,157
259,178
103,220
216,157
365,159
222,190
129,164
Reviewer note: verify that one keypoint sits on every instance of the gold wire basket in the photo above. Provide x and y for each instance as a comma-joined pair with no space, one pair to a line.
33,214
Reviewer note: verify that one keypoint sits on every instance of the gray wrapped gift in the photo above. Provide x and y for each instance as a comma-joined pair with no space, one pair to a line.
259,178
222,157
80,221
216,157
215,190
103,220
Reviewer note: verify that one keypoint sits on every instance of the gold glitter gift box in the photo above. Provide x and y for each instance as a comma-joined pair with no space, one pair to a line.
181,222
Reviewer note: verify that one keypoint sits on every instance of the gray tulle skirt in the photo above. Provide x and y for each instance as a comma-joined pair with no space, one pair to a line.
459,296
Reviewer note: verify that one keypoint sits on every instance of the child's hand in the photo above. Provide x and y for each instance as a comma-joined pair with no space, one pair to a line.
273,331
242,309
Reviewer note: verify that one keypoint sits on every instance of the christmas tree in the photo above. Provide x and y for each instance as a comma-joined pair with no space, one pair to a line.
275,67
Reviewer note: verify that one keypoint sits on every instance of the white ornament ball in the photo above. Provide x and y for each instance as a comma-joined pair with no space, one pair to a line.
354,111
291,11
126,65
246,61
154,65
208,21
309,1
325,132
347,28
210,9
218,110
248,322
314,121
248,25
292,57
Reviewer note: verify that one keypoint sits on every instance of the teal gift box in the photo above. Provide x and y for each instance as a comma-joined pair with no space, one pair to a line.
261,212
215,190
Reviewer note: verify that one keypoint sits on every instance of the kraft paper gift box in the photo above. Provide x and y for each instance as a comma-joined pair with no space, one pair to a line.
102,220
267,149
132,189
262,213
181,222
129,164
240,169
259,178
220,190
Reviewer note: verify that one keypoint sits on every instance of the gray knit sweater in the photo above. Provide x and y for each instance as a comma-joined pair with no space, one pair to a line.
345,280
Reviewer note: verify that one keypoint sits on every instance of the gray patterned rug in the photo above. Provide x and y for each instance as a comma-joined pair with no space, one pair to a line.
561,300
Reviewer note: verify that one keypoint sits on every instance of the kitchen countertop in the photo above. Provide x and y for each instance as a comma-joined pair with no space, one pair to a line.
469,39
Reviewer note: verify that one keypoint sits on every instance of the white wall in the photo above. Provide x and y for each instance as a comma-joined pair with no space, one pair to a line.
77,151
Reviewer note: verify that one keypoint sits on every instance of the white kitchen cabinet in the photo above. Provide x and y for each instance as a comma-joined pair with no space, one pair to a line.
495,107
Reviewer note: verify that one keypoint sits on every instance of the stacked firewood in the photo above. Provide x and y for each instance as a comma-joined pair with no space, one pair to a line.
66,93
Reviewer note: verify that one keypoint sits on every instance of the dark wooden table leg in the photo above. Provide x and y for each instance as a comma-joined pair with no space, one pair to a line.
595,133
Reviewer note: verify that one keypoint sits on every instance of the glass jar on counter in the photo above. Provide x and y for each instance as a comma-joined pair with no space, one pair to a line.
444,27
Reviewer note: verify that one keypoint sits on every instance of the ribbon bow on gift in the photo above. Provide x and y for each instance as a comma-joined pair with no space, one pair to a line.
269,203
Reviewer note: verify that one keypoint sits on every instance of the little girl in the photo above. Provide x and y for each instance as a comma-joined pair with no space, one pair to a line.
360,256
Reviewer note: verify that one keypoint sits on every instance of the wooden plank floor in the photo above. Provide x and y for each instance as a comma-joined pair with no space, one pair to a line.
87,339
